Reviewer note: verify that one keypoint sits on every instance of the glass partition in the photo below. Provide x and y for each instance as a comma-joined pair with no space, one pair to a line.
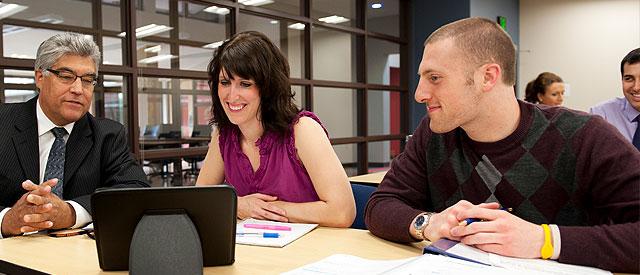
18,86
66,12
337,109
175,110
112,50
380,154
288,36
334,12
23,42
383,62
287,6
348,155
110,98
383,17
383,113
111,15
334,55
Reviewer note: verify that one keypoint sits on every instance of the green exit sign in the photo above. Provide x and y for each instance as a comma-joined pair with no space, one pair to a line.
502,21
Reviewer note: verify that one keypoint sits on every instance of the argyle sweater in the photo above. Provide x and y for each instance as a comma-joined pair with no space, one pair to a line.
559,166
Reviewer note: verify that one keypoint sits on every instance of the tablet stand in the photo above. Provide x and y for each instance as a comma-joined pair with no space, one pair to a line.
165,243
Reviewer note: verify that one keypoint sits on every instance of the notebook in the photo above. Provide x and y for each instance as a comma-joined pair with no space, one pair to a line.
296,231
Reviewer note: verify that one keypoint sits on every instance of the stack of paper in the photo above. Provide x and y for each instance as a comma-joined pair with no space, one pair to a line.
462,259
462,251
288,232
341,264
426,264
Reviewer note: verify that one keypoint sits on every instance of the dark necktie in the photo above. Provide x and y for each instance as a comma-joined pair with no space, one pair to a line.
636,136
55,163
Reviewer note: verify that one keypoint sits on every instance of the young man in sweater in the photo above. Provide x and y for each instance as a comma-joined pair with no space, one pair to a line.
572,180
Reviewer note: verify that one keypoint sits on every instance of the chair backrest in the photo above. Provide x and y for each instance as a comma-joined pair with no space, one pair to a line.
170,135
151,131
201,131
361,194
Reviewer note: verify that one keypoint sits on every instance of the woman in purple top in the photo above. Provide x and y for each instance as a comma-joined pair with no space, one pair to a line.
277,157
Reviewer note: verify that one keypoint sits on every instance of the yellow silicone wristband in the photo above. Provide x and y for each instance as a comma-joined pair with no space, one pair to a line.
547,248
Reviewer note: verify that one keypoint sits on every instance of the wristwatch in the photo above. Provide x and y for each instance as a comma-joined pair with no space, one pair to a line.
420,223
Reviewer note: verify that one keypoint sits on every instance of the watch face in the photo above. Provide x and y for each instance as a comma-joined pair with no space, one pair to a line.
420,221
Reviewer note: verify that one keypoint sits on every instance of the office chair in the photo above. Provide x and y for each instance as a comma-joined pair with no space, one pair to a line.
164,173
361,194
151,131
192,173
170,135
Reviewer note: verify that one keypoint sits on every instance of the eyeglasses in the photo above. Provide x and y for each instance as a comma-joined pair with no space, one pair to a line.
69,78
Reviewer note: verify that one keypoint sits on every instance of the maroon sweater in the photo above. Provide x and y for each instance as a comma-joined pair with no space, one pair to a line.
559,167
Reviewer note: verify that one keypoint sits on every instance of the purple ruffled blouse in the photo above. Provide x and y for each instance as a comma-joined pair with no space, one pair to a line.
280,174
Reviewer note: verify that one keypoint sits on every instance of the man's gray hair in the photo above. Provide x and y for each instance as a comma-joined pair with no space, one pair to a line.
66,43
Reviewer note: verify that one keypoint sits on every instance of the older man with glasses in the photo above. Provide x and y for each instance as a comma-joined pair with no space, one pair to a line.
54,153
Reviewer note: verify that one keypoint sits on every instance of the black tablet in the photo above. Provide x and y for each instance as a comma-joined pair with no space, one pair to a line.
116,213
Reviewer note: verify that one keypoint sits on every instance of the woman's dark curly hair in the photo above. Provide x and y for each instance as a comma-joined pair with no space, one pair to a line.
251,55
539,86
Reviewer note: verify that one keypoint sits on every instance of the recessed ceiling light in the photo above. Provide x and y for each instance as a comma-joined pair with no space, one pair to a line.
148,30
334,19
154,49
297,26
255,2
18,80
7,10
376,5
156,59
213,45
23,56
273,22
111,84
217,10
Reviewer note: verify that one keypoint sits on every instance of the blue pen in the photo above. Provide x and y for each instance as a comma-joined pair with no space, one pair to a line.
258,234
469,221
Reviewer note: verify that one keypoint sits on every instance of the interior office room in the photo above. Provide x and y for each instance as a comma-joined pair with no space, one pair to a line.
356,71
162,95
353,63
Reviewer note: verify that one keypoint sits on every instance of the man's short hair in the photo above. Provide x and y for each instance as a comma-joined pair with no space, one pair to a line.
631,58
481,41
66,43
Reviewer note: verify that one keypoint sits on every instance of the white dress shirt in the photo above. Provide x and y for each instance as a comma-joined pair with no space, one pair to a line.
45,141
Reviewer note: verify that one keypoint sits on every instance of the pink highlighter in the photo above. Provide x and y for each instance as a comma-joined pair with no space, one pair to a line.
267,227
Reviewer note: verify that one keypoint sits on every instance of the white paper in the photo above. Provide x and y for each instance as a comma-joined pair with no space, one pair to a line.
346,265
427,264
518,264
297,230
544,266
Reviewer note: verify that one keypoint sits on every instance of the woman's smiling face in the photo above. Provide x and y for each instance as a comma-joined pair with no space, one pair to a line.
239,97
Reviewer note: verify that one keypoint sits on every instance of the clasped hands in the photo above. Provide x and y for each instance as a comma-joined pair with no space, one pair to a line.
38,209
261,206
500,232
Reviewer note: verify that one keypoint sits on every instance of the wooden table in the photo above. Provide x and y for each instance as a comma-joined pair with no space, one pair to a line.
77,255
371,179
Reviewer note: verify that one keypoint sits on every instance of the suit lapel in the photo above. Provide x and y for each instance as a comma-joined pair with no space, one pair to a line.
78,145
26,141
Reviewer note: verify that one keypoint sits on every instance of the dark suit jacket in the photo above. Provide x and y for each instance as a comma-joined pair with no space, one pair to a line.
97,156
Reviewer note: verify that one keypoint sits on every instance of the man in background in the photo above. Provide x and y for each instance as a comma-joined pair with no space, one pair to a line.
624,112
572,181
53,140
